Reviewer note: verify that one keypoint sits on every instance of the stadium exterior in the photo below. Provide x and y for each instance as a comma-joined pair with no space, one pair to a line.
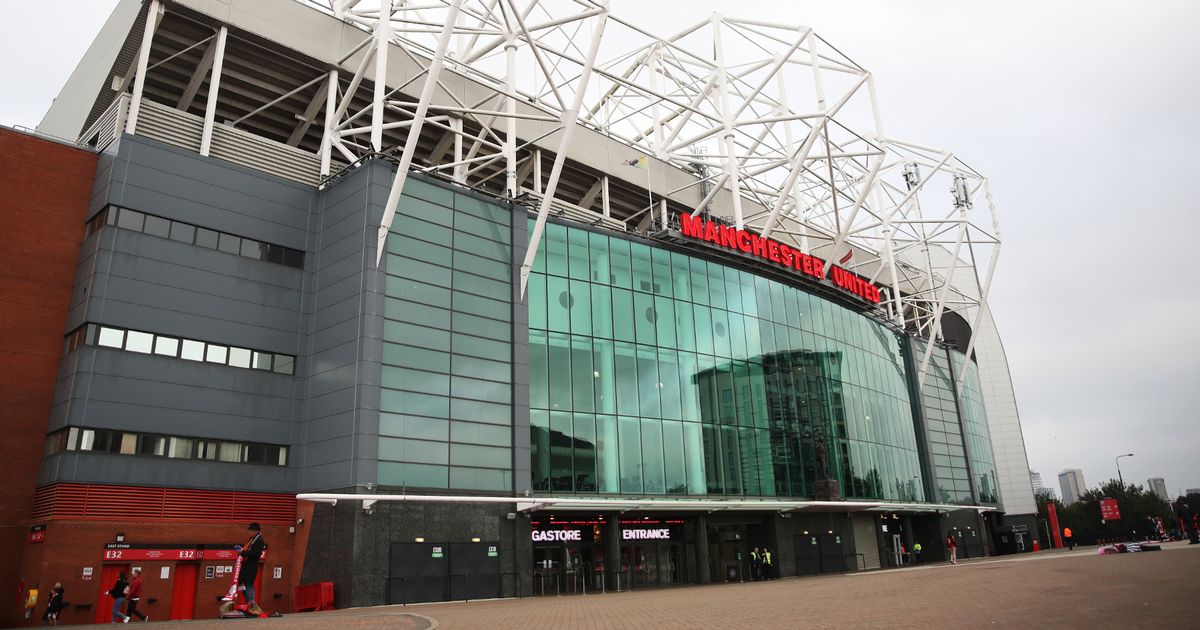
468,300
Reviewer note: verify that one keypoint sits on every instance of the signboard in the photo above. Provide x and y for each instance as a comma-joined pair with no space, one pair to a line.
437,552
37,534
210,572
277,573
651,530
571,531
492,553
1109,511
120,552
748,244
87,573
557,535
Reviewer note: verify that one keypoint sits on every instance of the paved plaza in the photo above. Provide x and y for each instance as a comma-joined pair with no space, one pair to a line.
1077,589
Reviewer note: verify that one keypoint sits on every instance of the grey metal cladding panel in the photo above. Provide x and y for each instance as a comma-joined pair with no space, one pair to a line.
337,245
133,250
176,420
172,370
317,477
344,260
177,184
333,379
329,427
162,472
333,403
161,302
337,449
346,217
193,326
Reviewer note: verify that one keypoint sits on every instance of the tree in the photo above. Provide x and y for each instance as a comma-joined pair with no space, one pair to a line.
1138,508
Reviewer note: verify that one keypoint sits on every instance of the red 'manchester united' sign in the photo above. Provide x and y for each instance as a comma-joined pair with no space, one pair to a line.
776,252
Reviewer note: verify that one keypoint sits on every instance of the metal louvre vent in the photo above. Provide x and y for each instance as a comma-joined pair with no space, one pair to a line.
132,503
165,124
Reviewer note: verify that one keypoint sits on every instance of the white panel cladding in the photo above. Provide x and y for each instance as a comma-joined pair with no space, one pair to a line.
1004,423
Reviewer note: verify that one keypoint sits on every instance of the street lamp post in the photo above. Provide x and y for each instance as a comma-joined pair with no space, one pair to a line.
1117,459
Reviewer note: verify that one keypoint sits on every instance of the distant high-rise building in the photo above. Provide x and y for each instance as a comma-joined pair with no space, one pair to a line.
1191,491
1071,482
1035,480
1047,493
1158,486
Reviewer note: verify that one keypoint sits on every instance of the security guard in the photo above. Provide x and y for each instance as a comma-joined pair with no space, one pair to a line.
917,552
767,564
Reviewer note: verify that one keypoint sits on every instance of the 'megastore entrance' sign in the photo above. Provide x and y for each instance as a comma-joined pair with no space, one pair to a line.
773,251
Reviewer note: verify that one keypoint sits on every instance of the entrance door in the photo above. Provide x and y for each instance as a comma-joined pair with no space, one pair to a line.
732,557
183,590
548,570
418,573
646,568
104,603
808,560
474,570
670,563
830,548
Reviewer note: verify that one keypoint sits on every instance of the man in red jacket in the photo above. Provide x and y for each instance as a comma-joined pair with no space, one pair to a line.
135,595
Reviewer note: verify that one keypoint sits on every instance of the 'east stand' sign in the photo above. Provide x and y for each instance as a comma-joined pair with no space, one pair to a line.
773,251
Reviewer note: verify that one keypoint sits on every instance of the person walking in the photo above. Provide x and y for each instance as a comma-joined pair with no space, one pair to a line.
917,552
1070,538
952,546
250,553
118,592
135,595
54,605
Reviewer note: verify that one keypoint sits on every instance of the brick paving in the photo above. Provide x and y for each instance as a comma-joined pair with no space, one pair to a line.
1077,589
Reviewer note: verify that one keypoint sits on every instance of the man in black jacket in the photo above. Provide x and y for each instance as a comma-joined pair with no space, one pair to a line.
251,552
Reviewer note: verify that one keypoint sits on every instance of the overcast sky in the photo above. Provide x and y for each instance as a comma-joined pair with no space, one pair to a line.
1079,112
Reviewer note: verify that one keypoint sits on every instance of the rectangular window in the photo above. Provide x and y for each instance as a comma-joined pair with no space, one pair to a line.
139,342
285,364
206,238
166,346
229,243
131,220
216,353
182,232
181,448
157,226
152,445
261,361
230,452
192,350
111,337
239,357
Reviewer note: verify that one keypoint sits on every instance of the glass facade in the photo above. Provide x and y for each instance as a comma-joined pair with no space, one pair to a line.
446,399
947,448
979,443
658,373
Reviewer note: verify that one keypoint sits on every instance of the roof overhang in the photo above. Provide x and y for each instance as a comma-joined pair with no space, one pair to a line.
603,504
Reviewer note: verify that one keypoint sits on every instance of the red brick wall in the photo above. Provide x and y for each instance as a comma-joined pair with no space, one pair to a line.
71,546
44,192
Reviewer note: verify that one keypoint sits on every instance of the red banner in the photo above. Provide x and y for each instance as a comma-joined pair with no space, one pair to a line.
1109,510
1056,532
